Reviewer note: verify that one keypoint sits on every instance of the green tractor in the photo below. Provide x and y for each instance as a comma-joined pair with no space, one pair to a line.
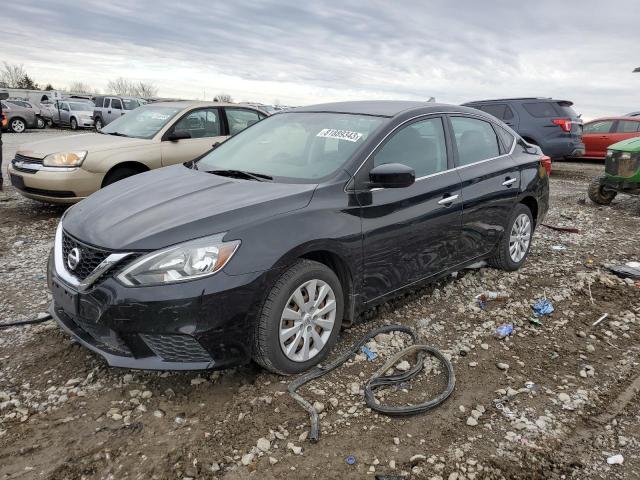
621,172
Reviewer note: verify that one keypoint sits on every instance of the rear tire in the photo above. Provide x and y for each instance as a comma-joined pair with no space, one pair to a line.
314,332
598,195
41,123
99,124
118,174
513,248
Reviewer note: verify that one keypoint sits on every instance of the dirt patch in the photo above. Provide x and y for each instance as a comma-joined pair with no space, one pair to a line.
568,396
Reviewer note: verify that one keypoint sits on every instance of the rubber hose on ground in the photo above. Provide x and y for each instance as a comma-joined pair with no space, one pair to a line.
22,323
378,379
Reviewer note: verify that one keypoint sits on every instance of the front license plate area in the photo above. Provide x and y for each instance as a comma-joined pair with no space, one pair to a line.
66,299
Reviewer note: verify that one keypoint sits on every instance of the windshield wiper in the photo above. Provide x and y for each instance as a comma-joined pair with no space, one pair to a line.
241,174
117,134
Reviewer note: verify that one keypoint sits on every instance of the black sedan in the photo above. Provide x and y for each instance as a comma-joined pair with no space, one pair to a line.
265,246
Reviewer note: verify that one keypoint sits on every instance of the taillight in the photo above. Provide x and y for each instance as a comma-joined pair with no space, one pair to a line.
3,120
545,161
563,123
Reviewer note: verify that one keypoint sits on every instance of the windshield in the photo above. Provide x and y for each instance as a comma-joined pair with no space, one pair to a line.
143,122
298,146
130,104
81,107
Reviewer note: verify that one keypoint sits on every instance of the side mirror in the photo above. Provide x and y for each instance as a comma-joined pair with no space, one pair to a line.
179,135
392,175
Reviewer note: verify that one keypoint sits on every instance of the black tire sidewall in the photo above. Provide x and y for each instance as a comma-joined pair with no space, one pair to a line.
517,211
72,122
279,297
118,174
98,122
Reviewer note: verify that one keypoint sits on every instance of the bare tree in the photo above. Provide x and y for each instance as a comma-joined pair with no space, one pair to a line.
223,97
146,90
124,86
81,87
120,86
13,75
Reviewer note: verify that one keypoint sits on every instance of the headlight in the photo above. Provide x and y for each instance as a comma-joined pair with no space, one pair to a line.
609,153
625,156
187,261
64,159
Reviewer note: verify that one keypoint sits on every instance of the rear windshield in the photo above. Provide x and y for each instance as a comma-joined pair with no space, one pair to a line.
550,109
130,104
80,106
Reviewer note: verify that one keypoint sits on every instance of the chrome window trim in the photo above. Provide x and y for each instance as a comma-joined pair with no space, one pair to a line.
480,117
64,274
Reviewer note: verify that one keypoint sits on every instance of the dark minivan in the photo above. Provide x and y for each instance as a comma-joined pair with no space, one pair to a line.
551,124
265,246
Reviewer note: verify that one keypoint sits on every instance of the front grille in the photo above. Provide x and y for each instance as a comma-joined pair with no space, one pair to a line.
616,166
104,337
90,257
176,348
25,159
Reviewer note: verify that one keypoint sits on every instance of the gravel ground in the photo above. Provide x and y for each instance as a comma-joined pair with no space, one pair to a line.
568,389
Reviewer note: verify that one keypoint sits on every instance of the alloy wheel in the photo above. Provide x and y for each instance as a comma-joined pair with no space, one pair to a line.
18,126
307,320
520,237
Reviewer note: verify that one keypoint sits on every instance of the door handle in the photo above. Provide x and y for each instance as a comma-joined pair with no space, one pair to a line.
109,111
509,181
447,200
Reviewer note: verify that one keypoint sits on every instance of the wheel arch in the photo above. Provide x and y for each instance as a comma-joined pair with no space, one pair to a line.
331,256
532,204
138,166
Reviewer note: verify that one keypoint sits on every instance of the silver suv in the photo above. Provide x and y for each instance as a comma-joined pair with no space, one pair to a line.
109,108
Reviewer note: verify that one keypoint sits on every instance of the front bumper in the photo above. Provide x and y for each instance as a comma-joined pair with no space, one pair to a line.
194,325
54,186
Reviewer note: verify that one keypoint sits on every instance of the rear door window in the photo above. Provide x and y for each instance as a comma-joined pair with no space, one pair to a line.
99,102
600,126
475,139
540,109
501,111
239,119
627,126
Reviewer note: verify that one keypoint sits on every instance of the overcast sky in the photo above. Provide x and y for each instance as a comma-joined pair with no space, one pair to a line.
299,52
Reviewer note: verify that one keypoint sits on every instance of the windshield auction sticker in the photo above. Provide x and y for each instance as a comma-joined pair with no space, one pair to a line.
339,134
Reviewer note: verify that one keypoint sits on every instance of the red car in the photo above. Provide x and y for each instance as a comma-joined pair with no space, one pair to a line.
598,134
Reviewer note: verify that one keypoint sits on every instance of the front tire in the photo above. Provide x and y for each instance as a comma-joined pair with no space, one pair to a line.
73,123
598,195
17,125
300,319
513,248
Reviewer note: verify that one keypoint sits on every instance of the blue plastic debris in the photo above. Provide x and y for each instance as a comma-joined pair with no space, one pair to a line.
542,307
503,330
370,355
351,460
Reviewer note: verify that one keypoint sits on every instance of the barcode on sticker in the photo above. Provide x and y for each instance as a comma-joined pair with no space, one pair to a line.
339,134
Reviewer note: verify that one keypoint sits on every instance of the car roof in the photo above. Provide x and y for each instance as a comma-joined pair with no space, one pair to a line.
623,117
379,108
197,103
567,103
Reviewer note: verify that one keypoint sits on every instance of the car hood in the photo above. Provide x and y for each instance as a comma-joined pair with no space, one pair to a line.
628,145
170,205
92,142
